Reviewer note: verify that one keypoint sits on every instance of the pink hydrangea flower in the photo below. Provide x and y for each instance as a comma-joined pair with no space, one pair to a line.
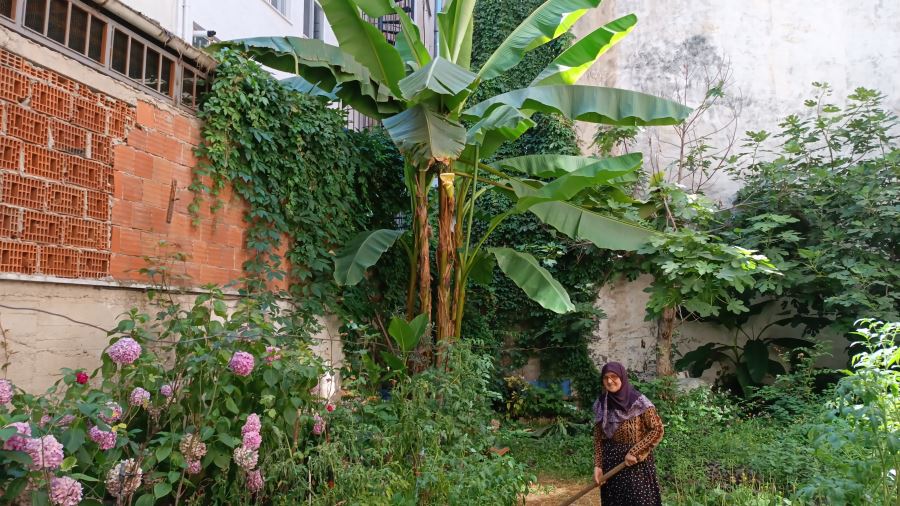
252,440
273,353
105,439
17,442
252,424
254,481
241,363
166,390
6,392
45,452
318,425
65,491
65,421
124,478
192,447
111,413
124,351
245,458
194,467
139,397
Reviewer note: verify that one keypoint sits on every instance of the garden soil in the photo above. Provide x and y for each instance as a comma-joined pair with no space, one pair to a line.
552,492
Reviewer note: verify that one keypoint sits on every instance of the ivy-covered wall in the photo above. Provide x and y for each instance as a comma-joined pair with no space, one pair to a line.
305,177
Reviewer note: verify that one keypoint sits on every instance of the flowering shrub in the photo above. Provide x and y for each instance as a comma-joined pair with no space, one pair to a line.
162,415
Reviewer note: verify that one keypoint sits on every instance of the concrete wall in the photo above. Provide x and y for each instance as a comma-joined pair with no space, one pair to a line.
49,326
774,50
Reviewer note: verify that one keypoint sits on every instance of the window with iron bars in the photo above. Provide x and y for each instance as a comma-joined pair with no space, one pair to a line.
79,30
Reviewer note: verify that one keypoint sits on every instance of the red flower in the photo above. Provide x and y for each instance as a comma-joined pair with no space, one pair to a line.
329,407
81,377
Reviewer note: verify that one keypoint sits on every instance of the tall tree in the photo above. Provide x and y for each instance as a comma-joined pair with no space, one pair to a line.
422,102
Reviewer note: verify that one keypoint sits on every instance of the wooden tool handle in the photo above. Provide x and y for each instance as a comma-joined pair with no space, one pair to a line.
587,489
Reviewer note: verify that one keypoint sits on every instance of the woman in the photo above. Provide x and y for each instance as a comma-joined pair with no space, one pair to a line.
626,428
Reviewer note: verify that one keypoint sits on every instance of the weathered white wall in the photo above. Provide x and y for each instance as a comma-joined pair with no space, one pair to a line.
776,49
230,19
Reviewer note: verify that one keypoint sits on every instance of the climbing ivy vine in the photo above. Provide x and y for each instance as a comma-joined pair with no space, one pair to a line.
303,175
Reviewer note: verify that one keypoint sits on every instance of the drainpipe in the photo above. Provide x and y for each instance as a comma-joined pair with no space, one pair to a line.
157,32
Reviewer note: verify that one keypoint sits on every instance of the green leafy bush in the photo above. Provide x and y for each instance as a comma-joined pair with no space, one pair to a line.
860,439
822,206
174,399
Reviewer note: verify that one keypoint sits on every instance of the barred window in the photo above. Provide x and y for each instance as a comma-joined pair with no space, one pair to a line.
79,29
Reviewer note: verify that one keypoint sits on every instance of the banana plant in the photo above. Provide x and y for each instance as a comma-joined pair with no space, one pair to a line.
422,101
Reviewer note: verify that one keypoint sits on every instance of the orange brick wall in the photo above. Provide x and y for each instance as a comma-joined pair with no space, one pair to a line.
86,184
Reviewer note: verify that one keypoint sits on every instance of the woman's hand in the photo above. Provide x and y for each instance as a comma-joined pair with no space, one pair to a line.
630,460
598,473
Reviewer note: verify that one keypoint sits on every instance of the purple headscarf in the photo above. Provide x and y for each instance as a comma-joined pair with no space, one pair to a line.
611,409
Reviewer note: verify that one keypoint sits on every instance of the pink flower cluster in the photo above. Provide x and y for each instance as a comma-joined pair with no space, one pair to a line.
17,442
105,439
273,353
254,481
124,351
111,413
193,449
245,458
45,452
65,491
318,425
6,392
139,397
166,390
247,455
241,363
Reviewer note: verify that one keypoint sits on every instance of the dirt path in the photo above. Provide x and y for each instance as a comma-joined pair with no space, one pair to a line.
551,492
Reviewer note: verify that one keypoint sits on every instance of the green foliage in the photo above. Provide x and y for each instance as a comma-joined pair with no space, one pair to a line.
428,443
189,349
860,437
822,205
304,177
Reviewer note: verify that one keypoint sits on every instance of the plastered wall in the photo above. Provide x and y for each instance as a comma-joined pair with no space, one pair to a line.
774,50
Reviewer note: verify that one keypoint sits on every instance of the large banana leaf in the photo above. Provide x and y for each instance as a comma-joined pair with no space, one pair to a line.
365,42
376,8
409,42
426,135
580,224
439,77
756,356
533,279
455,25
565,187
326,67
502,124
569,66
362,252
546,166
297,83
609,106
546,23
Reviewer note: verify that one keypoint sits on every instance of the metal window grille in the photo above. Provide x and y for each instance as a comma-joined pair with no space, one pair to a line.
79,30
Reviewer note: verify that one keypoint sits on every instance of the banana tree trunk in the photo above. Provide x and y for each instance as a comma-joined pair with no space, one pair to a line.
423,236
666,327
446,255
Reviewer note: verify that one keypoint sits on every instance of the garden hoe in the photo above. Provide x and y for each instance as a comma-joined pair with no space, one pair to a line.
603,479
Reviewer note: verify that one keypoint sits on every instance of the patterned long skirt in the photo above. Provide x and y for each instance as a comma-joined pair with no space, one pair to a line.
633,486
